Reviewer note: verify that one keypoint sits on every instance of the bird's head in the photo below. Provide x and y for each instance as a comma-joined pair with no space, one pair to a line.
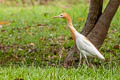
62,15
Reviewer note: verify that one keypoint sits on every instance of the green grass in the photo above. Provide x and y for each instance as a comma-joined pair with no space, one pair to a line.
52,73
34,41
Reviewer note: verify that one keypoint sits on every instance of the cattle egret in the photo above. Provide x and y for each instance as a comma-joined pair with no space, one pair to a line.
85,47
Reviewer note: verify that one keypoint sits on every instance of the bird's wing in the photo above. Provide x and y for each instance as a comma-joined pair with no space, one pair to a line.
87,46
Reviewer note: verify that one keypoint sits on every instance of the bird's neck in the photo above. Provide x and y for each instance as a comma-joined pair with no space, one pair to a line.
71,28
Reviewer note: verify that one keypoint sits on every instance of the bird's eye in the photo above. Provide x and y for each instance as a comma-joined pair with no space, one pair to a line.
61,15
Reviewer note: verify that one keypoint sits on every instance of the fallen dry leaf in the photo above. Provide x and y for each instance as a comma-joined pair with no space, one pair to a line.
3,30
3,22
116,47
43,38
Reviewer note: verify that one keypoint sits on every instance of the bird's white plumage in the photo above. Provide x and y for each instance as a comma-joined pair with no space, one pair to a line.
86,48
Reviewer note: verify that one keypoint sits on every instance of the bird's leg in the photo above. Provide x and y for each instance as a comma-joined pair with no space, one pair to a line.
78,52
86,60
90,60
80,58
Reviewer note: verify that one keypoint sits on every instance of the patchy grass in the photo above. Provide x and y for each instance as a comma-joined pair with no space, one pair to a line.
33,36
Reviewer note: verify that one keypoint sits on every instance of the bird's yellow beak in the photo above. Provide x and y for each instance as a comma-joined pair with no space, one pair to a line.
56,16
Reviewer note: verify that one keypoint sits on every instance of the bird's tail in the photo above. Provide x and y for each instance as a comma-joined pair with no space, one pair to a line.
100,56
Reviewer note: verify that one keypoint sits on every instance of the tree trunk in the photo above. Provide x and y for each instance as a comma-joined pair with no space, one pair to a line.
97,24
98,34
95,11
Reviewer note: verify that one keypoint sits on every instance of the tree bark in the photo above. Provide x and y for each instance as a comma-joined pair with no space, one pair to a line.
95,11
98,34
